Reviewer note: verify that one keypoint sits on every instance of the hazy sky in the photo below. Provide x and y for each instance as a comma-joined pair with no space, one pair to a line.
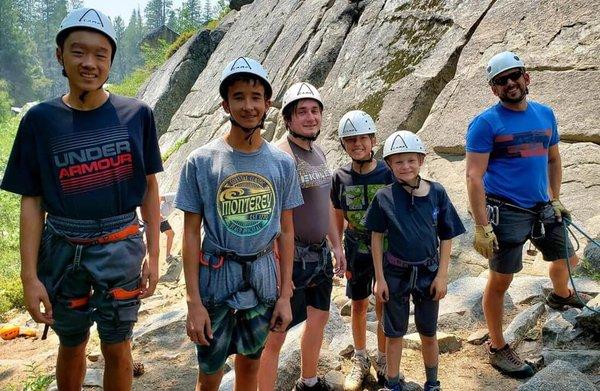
123,8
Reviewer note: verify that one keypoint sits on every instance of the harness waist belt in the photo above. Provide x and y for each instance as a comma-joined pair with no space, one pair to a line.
109,238
393,260
314,247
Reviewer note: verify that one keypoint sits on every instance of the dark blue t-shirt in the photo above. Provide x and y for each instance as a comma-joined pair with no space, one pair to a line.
85,164
517,142
414,232
352,192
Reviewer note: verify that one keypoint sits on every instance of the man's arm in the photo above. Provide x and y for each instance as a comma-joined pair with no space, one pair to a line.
30,235
150,211
335,237
477,164
282,314
554,172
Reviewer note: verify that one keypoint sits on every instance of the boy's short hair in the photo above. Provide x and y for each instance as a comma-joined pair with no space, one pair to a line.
247,78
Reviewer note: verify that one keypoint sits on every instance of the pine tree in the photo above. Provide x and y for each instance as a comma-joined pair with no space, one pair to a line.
156,13
118,66
207,14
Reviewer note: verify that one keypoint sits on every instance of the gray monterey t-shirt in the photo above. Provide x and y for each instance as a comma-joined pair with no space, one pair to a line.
240,197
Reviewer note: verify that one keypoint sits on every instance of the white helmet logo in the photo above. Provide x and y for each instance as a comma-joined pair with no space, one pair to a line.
94,20
305,90
240,63
349,127
398,143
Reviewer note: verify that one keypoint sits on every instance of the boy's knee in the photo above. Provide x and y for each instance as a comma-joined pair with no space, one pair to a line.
359,307
116,351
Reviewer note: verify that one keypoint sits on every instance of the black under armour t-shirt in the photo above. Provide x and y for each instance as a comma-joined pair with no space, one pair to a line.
85,164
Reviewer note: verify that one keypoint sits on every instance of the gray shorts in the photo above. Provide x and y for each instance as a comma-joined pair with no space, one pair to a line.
91,283
515,227
404,282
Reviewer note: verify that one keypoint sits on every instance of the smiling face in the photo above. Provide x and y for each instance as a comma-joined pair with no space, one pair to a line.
511,85
306,118
246,102
406,166
359,147
86,58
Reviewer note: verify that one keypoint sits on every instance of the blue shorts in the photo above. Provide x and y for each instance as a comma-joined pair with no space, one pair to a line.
79,278
404,282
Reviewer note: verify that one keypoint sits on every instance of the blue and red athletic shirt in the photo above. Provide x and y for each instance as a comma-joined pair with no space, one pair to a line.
85,164
518,143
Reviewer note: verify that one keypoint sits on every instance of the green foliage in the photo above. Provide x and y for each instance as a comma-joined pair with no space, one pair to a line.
36,381
174,148
11,292
183,38
587,269
5,101
224,10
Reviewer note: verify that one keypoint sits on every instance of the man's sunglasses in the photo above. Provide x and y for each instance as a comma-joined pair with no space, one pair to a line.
502,80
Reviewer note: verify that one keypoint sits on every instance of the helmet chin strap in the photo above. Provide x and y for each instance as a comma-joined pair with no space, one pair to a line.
303,137
249,131
360,161
412,188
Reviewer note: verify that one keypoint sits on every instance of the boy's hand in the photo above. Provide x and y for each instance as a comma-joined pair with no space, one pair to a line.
197,324
149,278
282,315
381,290
439,287
35,293
340,262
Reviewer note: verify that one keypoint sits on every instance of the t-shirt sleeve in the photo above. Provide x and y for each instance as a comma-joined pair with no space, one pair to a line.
22,174
292,195
449,223
480,138
335,191
152,159
375,218
554,138
188,198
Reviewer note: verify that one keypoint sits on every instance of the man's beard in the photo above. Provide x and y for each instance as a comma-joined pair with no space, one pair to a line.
523,93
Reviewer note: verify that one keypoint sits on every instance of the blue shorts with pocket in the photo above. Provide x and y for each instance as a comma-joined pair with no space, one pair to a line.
80,279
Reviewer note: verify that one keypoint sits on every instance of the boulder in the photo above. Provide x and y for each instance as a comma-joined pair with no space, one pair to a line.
558,376
478,337
559,328
522,323
447,343
590,320
237,4
584,360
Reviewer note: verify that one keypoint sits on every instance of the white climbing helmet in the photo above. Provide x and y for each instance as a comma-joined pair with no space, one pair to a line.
356,123
249,66
403,141
88,18
502,62
299,91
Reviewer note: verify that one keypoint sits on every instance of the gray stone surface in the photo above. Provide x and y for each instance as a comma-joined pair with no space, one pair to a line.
583,359
522,323
478,337
588,319
527,289
558,376
560,329
237,4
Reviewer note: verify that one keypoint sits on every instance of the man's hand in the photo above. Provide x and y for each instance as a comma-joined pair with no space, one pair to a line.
149,278
439,287
560,211
197,324
381,290
340,262
282,315
485,241
35,293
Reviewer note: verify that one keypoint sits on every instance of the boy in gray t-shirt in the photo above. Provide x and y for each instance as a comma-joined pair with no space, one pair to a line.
242,190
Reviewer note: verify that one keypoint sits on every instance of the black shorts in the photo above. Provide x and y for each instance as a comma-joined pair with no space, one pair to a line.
360,271
313,283
165,226
396,309
515,227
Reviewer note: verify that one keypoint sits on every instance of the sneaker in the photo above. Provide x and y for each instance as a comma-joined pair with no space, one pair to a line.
558,303
380,368
508,362
320,386
171,258
360,369
396,387
432,386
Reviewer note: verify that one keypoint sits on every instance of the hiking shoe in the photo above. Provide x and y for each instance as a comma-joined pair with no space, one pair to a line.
320,386
380,366
558,303
432,386
360,369
508,362
171,258
396,387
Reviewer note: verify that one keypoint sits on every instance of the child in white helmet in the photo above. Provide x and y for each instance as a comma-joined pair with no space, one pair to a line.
353,187
420,222
241,189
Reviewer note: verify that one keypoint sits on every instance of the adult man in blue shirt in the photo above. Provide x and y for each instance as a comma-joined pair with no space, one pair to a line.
513,178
